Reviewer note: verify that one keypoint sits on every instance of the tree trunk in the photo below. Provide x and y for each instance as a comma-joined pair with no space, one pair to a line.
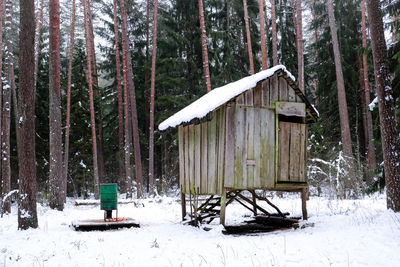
119,89
91,99
371,156
343,113
130,87
1,92
67,123
299,39
27,213
152,92
387,118
56,200
274,34
249,49
262,33
38,29
204,46
96,93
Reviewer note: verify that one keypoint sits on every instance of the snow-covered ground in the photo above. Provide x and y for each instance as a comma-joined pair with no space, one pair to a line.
338,233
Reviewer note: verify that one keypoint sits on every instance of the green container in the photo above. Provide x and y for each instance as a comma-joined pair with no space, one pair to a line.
108,196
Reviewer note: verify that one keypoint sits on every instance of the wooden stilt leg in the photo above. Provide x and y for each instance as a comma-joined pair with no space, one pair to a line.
253,193
304,203
183,203
223,207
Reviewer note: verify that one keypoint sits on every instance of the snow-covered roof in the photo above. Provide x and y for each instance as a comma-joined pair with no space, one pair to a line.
219,96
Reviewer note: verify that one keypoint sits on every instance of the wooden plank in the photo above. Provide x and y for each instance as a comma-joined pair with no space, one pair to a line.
221,149
291,109
273,91
212,155
283,89
303,152
284,148
294,152
249,97
292,94
239,146
249,182
181,158
191,158
240,99
186,155
257,95
197,158
230,147
265,93
257,148
267,148
204,157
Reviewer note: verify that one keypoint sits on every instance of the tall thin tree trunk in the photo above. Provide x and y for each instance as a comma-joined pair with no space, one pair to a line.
343,113
146,76
56,200
371,156
67,123
1,88
89,61
204,46
130,87
249,49
27,213
96,92
388,123
262,33
38,29
299,39
274,34
152,93
119,89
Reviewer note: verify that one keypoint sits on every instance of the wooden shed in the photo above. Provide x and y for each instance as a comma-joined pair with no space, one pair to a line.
247,135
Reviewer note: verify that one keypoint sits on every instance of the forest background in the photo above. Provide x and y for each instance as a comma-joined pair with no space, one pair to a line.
179,80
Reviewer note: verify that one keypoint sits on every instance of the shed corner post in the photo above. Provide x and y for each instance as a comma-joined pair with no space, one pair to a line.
183,203
304,196
223,207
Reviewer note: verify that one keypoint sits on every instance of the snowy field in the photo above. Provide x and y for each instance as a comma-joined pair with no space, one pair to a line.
338,233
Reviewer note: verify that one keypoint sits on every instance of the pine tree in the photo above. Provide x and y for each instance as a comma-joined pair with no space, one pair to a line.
89,62
27,213
388,122
152,92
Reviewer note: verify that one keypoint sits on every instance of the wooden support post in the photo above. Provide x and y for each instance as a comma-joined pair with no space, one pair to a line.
253,193
183,203
304,203
223,207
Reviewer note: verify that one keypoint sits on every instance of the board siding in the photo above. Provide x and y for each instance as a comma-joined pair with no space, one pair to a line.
197,158
221,149
267,148
191,158
257,150
257,95
181,158
212,151
249,183
294,153
230,147
239,146
265,93
273,91
283,89
204,158
284,148
186,147
291,109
